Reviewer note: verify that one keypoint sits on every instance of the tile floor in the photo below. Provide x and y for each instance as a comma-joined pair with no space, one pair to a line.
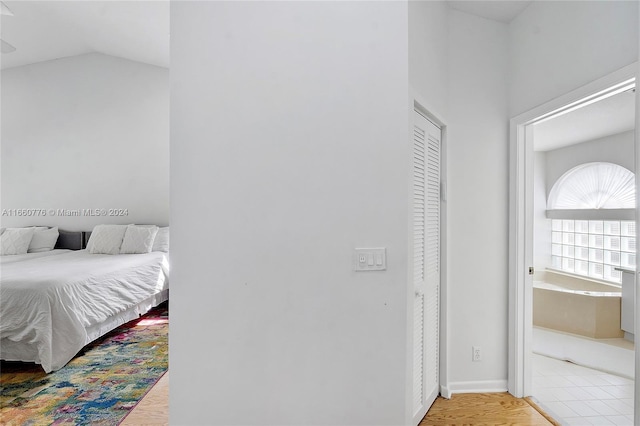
576,395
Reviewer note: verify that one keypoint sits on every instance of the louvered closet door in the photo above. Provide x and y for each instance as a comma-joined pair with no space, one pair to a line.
426,263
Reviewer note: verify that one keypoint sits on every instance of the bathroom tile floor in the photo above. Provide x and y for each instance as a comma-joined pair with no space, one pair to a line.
576,395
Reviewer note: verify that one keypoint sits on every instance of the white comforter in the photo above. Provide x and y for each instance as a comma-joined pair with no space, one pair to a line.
50,301
5,260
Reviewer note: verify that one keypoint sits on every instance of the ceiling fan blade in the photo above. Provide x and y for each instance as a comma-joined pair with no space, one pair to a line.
4,10
6,47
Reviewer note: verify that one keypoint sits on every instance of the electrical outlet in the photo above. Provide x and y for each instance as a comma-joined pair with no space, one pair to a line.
476,354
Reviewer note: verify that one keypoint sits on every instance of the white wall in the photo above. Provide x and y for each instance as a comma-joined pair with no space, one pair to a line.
541,225
86,132
497,71
269,103
428,76
289,147
477,201
558,46
428,73
618,149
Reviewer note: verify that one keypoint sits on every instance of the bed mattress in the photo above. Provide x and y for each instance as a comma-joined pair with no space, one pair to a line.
50,306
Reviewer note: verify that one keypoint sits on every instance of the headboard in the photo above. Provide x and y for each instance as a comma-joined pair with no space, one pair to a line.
72,240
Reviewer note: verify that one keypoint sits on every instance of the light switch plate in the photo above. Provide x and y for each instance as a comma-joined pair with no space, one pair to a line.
370,259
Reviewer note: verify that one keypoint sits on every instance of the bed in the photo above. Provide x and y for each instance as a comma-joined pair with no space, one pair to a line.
52,304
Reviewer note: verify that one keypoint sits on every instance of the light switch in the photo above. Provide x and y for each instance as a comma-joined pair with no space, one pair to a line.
370,259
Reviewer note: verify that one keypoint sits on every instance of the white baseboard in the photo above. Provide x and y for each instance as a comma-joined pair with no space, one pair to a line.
479,386
445,392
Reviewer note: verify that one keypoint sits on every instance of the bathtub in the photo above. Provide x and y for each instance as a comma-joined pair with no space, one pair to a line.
573,305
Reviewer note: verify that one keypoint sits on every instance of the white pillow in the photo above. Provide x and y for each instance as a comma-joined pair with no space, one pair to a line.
138,239
161,243
15,241
106,239
43,240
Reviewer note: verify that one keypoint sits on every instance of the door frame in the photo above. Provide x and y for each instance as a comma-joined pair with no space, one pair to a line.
417,102
521,214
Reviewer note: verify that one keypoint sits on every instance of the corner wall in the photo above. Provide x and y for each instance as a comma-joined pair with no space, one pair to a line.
85,132
477,202
289,148
497,71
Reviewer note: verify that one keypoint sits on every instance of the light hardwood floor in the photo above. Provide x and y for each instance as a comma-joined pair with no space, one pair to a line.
461,409
153,410
484,409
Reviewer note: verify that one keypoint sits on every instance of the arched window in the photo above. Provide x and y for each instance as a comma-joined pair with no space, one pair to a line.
591,237
594,186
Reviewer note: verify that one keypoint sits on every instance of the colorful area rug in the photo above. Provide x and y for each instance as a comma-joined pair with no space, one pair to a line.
98,387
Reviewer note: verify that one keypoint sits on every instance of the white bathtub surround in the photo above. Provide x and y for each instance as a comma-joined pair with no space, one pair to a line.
615,356
577,305
574,282
576,395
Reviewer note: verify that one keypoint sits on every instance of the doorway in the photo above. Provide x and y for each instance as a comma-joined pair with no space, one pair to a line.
522,219
584,256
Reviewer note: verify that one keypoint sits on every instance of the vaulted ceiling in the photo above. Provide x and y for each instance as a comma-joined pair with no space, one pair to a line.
136,30
139,31
496,10
46,30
